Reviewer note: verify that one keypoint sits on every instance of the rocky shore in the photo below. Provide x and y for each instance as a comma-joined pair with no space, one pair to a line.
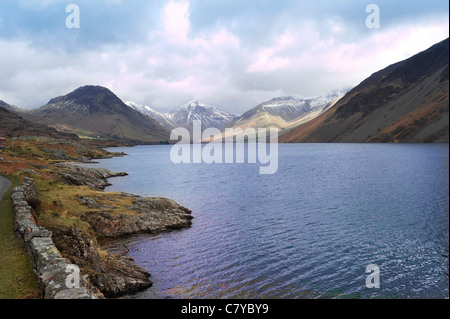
104,215
73,174
62,214
153,216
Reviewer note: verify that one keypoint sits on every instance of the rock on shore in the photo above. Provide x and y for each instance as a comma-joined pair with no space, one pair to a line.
113,275
152,215
73,174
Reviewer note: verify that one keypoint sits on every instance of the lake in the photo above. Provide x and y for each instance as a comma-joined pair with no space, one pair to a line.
308,231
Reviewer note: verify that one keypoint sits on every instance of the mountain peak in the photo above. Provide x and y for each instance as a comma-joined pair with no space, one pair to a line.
85,92
285,98
195,104
88,99
96,111
209,115
93,88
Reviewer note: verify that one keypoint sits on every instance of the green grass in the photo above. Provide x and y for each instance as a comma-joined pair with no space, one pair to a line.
17,279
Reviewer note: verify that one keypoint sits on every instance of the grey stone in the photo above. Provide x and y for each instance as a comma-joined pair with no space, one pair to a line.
43,252
48,262
20,204
33,232
89,202
16,196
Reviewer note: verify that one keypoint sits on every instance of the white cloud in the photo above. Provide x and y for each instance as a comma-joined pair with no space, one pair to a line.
268,59
175,21
177,62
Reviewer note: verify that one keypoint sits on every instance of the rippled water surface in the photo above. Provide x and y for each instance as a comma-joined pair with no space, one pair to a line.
308,231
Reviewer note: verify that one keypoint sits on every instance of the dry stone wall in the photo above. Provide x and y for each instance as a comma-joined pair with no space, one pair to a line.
57,277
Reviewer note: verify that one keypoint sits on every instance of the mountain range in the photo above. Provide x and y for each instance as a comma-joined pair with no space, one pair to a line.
406,102
281,113
184,116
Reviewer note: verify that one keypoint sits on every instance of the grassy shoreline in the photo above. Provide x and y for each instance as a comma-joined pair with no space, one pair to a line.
17,278
72,204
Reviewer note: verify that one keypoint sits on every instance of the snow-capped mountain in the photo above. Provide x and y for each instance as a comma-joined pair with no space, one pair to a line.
290,107
282,112
208,115
146,110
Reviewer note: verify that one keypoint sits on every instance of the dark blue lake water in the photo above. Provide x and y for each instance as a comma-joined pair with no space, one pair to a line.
308,231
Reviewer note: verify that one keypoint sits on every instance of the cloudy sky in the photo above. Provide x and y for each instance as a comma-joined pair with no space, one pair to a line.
233,54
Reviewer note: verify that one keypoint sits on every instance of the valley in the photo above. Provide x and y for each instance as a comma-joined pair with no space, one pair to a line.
405,102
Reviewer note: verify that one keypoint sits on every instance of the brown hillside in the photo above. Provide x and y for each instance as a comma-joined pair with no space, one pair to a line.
406,102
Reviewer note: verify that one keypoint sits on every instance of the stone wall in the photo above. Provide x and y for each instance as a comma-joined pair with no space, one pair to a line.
57,277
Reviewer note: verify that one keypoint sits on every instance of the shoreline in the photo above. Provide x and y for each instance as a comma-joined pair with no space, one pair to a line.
72,205
117,228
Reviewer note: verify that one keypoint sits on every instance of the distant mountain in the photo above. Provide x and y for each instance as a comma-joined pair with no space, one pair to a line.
210,116
284,112
148,111
406,102
95,111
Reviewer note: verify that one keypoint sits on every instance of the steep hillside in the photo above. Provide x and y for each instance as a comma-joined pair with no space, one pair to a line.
94,111
405,102
148,111
12,125
9,107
